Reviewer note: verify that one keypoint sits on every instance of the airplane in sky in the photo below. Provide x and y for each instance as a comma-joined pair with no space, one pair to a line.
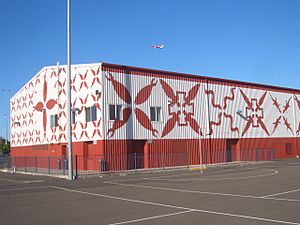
157,46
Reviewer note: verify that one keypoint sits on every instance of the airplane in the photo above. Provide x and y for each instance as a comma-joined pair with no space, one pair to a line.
157,46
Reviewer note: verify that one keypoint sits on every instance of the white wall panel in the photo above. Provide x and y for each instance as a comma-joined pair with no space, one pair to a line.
213,107
87,79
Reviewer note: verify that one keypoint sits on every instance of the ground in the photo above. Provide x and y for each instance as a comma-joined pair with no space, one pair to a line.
255,193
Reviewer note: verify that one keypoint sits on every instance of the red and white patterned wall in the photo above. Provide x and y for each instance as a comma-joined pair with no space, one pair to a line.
45,95
194,107
190,107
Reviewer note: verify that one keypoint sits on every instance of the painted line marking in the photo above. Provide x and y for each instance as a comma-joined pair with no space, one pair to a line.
293,166
177,207
120,198
151,217
212,173
22,181
273,172
33,181
202,192
182,190
281,193
15,181
23,189
192,173
284,199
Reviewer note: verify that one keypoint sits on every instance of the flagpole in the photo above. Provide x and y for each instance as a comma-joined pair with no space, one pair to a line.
69,127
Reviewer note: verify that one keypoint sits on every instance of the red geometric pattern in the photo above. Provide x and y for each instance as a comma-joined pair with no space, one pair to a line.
62,135
282,114
96,78
38,138
124,94
23,107
254,112
74,135
180,108
84,130
96,99
298,104
81,78
42,106
97,129
140,98
53,136
30,141
62,110
222,112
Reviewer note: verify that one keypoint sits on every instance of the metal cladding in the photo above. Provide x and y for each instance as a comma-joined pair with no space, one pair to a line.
192,108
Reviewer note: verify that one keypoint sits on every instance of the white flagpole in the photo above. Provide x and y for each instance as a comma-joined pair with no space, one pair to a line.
69,127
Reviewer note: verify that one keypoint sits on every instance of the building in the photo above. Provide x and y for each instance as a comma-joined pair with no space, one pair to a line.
121,110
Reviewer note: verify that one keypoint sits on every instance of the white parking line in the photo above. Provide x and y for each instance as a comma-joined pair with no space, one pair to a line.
33,181
281,193
178,207
14,181
273,172
22,181
202,192
211,173
151,218
23,189
284,199
182,190
119,198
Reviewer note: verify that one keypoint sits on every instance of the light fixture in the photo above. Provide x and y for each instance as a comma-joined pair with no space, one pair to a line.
97,92
76,110
240,113
17,124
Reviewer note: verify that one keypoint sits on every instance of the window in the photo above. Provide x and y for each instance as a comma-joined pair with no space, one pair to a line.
155,114
90,114
53,121
73,117
115,112
74,113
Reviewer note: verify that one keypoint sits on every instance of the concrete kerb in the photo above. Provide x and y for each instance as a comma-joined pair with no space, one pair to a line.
143,171
171,169
34,174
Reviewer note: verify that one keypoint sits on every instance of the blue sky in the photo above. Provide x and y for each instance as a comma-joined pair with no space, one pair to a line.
248,40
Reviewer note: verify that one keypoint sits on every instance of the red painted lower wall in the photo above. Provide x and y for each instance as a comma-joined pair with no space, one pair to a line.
130,154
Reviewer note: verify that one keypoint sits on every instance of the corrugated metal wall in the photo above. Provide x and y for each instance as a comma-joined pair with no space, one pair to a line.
219,109
216,111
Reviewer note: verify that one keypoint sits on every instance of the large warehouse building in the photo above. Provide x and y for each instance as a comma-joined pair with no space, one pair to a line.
121,110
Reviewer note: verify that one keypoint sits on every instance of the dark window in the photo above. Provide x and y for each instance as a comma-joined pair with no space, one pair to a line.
73,117
155,114
53,121
115,112
90,114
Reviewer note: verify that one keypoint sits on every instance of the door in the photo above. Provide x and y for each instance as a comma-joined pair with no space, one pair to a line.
231,149
136,154
64,151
